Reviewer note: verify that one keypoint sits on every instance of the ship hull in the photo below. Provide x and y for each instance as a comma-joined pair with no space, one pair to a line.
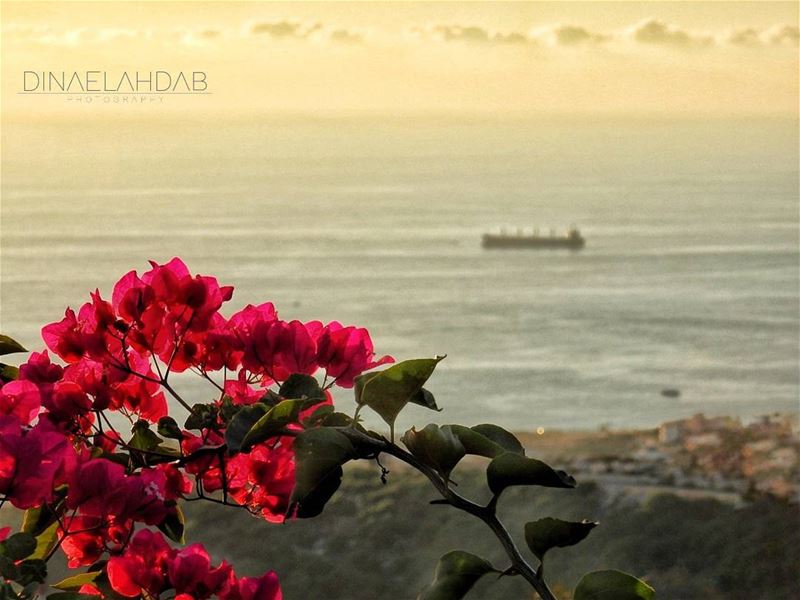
531,242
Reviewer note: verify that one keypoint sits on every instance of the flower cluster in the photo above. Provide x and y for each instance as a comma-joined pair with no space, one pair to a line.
149,566
62,451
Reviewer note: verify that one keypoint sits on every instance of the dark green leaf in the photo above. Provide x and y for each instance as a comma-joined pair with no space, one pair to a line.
477,443
301,386
173,525
455,575
273,422
8,570
388,391
436,446
319,415
9,345
71,596
612,585
512,469
227,409
549,533
168,427
319,456
203,415
426,399
18,546
33,570
8,373
241,423
501,437
144,438
76,581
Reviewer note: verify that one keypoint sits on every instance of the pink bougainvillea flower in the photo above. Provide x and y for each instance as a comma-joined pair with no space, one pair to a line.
142,566
263,479
265,587
277,348
190,573
68,401
40,371
20,399
65,338
190,301
87,538
346,352
243,321
241,392
99,487
95,486
31,461
205,467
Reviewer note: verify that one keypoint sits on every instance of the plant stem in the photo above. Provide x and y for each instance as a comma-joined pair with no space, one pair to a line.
486,513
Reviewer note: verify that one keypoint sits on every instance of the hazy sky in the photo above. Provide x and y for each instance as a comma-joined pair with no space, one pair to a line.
706,58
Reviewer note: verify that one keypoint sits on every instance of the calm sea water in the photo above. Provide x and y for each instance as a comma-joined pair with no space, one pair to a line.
689,278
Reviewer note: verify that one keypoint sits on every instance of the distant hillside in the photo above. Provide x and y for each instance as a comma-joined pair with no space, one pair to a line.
382,542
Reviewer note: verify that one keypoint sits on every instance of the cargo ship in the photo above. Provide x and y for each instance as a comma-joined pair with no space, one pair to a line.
572,240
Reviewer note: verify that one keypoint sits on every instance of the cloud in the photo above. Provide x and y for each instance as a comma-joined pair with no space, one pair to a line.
656,32
200,37
285,29
470,34
43,34
743,37
296,30
345,36
782,35
568,35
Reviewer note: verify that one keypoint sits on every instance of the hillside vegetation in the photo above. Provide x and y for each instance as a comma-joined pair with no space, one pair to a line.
379,541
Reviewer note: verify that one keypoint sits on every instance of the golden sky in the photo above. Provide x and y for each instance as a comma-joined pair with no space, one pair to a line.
648,58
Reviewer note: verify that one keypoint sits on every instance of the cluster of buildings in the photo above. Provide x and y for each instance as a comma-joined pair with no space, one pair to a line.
714,453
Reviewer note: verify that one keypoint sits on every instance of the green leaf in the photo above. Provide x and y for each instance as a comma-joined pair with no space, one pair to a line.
45,541
549,533
436,446
8,570
8,373
71,596
512,469
301,386
612,585
168,428
274,421
455,575
388,391
477,443
501,437
241,423
76,581
203,415
143,437
18,546
36,520
32,570
319,416
174,525
9,345
258,422
319,456
426,399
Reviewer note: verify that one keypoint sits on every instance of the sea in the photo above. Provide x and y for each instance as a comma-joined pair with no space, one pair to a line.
689,279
